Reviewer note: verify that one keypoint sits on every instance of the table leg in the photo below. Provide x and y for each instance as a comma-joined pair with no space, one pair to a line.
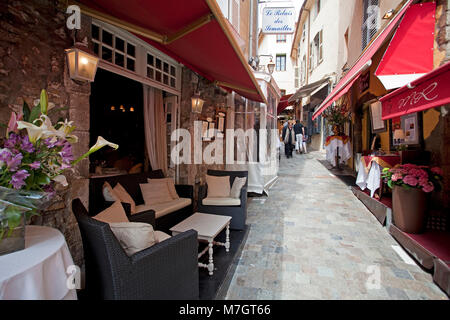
211,261
227,241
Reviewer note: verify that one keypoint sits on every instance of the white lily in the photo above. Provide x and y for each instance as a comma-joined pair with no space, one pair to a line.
101,142
66,128
34,132
61,179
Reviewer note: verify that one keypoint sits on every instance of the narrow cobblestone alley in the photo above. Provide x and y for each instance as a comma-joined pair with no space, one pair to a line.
313,239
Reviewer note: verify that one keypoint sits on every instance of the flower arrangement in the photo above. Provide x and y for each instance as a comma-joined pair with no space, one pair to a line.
337,114
413,176
33,158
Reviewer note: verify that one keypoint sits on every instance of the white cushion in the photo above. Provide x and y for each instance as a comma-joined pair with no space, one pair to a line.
155,191
134,236
222,202
238,184
161,236
108,193
161,209
114,214
218,187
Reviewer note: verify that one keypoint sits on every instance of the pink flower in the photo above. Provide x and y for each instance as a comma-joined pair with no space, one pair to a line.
437,170
423,182
396,177
410,180
428,188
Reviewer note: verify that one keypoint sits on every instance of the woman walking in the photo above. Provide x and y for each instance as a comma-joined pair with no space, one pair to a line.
289,140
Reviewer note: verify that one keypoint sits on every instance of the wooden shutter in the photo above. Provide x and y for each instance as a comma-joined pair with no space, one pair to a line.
297,77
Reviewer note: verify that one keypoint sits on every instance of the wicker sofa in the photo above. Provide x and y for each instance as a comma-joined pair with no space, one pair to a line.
166,270
165,219
237,211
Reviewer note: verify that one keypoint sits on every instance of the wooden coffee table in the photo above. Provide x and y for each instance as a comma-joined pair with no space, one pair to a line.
208,226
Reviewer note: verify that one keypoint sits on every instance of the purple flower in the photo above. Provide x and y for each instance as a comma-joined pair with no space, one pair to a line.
35,165
5,155
26,145
14,163
18,179
51,143
49,189
66,153
12,141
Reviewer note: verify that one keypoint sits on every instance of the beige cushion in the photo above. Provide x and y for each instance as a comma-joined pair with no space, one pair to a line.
161,236
134,236
155,192
108,193
161,209
218,187
170,186
223,202
124,196
114,214
237,187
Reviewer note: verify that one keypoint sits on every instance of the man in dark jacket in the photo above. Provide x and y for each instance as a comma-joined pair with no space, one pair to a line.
299,134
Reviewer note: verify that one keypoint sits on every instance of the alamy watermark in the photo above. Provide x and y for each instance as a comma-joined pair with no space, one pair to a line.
74,19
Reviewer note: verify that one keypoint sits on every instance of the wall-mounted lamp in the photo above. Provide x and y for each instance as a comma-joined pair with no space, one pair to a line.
271,66
113,108
197,103
82,62
131,109
388,14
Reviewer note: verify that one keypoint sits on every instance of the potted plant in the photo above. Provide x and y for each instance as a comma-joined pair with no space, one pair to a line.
34,155
336,116
410,185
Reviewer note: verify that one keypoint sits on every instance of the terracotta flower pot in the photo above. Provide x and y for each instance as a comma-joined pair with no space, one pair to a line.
409,208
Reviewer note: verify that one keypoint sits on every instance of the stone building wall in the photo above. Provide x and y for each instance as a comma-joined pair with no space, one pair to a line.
33,37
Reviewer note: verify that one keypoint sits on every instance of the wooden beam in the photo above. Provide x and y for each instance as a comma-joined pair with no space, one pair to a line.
119,23
235,87
190,28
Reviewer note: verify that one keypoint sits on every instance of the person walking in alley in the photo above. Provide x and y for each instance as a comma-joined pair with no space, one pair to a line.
304,140
289,140
299,134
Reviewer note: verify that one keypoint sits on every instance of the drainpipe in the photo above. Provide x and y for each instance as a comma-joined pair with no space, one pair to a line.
307,46
250,49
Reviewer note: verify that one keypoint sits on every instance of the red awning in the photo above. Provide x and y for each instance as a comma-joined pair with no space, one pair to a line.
405,60
432,90
363,63
284,103
194,33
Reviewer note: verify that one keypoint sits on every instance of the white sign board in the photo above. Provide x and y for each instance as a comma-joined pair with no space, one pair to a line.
278,20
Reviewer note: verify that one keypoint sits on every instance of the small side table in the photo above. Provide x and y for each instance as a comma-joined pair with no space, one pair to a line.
208,226
39,271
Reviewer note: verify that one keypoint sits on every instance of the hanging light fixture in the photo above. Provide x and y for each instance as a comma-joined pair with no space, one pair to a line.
82,62
197,103
131,109
113,108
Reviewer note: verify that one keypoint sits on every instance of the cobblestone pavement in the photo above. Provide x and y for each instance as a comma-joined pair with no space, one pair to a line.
313,239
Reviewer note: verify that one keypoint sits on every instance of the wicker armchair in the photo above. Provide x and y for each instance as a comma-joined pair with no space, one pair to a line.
237,213
167,270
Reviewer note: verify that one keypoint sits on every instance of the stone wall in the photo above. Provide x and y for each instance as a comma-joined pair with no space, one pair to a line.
33,36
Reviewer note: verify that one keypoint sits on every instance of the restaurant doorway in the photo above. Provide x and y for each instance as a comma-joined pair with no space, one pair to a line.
116,113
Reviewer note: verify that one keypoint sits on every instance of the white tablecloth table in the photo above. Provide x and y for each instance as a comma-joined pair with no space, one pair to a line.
369,180
39,271
345,149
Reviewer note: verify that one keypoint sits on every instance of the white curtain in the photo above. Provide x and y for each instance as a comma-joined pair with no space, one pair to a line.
155,128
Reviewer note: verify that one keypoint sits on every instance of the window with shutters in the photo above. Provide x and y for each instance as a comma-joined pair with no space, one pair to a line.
311,57
297,77
371,21
281,62
303,70
235,14
281,38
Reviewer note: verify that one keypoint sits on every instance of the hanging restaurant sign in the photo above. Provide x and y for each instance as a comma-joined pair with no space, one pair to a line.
429,91
278,20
